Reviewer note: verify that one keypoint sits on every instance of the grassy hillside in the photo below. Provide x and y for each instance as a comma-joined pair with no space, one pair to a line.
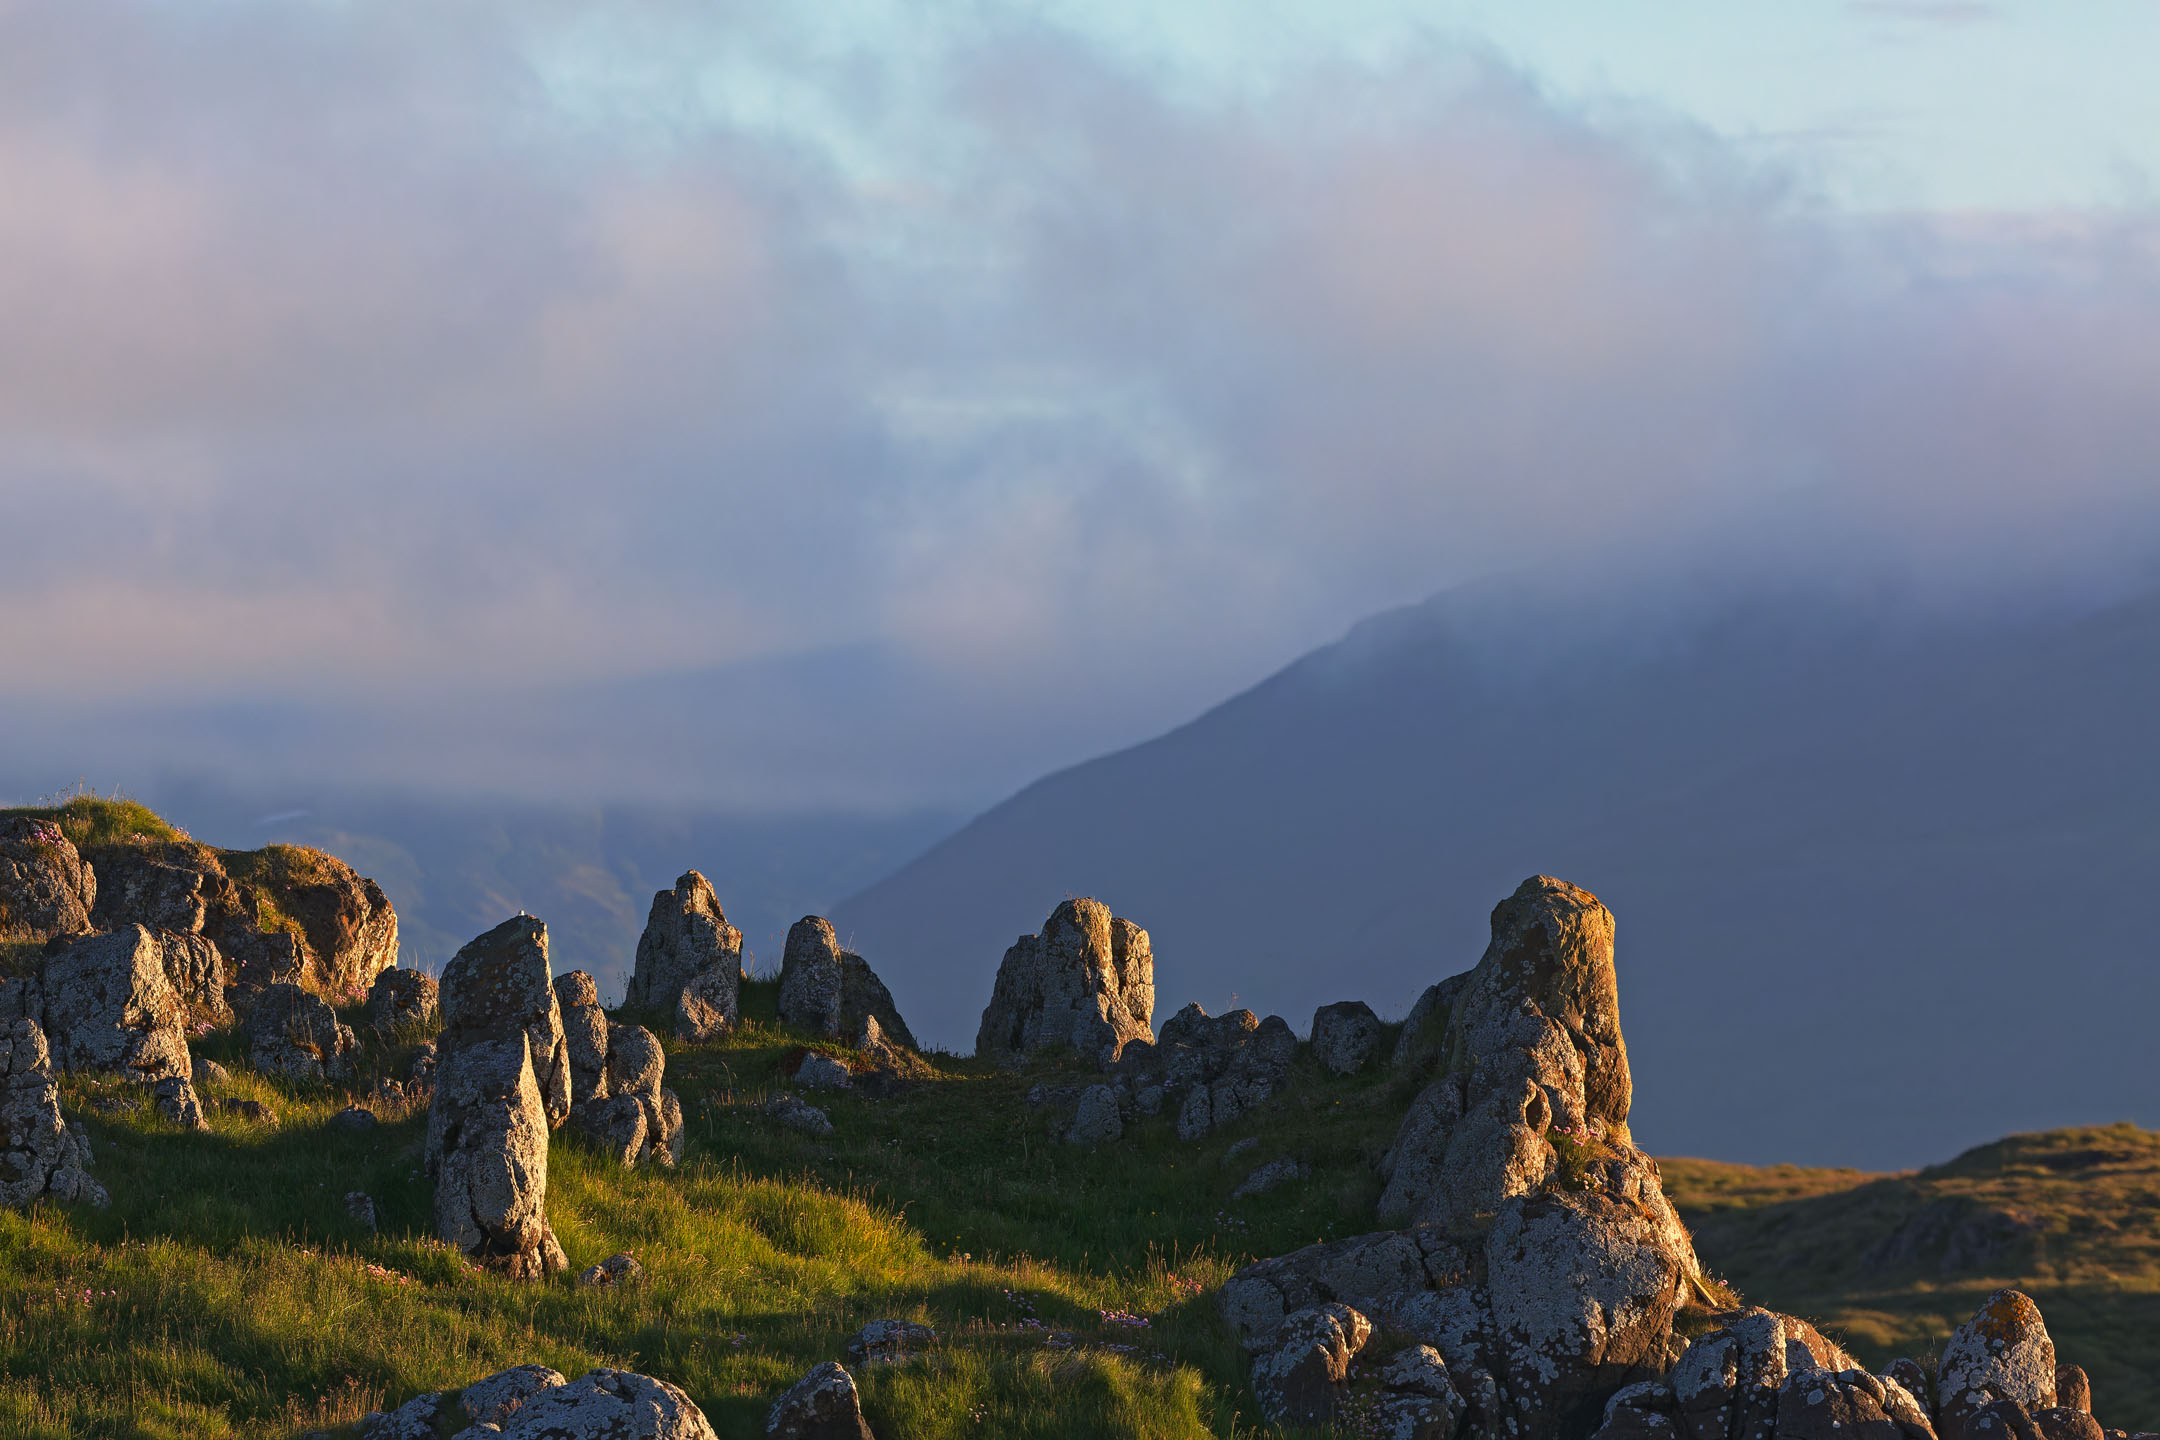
1892,1263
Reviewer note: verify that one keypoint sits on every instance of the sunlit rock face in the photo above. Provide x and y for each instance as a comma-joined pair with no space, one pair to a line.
1086,981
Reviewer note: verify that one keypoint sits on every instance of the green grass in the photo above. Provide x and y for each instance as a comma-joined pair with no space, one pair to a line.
88,818
1812,1242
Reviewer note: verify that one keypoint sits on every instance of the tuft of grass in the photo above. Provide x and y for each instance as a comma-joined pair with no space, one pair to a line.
88,818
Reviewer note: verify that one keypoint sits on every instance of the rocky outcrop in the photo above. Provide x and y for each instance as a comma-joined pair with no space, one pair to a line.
40,1154
635,1119
1344,1036
1096,1121
294,1035
532,1402
1218,1067
1729,1382
285,914
823,1405
500,983
487,1142
402,997
47,889
686,934
109,1007
1087,982
1299,1377
829,991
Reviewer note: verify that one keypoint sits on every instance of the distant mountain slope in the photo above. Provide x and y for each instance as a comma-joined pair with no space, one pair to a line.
1881,893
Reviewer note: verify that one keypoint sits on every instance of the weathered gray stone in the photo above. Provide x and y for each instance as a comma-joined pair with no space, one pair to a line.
1841,1405
1915,1379
685,934
295,1035
209,1072
608,1405
705,1010
633,1117
40,1154
819,1071
109,1007
1299,1378
414,1420
353,1120
890,1342
585,1035
47,889
618,1269
500,984
1344,1036
360,1206
1225,1064
1087,981
810,978
1729,1380
487,1146
797,1114
1096,1121
864,998
402,997
1424,1033
823,1405
2002,1353
2066,1422
176,1101
1645,1410
195,968
494,1400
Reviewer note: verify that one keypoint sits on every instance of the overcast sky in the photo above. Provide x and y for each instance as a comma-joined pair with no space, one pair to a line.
899,401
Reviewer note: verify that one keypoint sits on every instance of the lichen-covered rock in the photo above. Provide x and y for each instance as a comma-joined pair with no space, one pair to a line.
1096,1120
401,997
195,969
705,1010
494,1400
176,1101
500,984
608,1405
1344,1036
585,1035
109,1007
685,934
864,999
47,889
293,1034
1087,981
1729,1380
1299,1378
1846,1405
1915,1379
823,1405
634,1118
40,1154
487,1147
414,1420
890,1342
1224,1064
819,1071
346,926
1645,1410
2002,1353
2065,1422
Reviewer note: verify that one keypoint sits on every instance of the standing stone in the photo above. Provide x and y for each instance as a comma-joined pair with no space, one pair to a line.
403,997
685,934
295,1035
487,1149
831,992
499,984
46,887
823,1405
109,1007
1087,981
39,1153
585,1033
2004,1353
1344,1036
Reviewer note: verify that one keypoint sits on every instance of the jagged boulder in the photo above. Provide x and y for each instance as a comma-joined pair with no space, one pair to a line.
823,1405
47,889
1299,1377
499,984
2004,1353
1344,1036
1848,1404
829,991
293,1034
634,1118
40,1154
1087,981
1223,1065
137,887
686,933
109,1007
402,997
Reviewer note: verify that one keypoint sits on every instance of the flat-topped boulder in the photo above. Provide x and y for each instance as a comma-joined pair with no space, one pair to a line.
1087,981
686,935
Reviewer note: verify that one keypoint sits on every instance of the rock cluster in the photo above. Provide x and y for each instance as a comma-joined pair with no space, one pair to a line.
1218,1067
832,992
687,935
40,1154
615,1072
1087,982
502,1079
46,887
532,1402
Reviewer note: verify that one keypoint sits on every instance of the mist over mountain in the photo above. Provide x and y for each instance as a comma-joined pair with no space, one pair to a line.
1878,880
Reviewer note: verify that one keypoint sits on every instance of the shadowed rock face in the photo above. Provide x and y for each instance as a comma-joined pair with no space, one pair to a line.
39,1153
829,991
294,1034
46,887
1087,981
686,934
487,1150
